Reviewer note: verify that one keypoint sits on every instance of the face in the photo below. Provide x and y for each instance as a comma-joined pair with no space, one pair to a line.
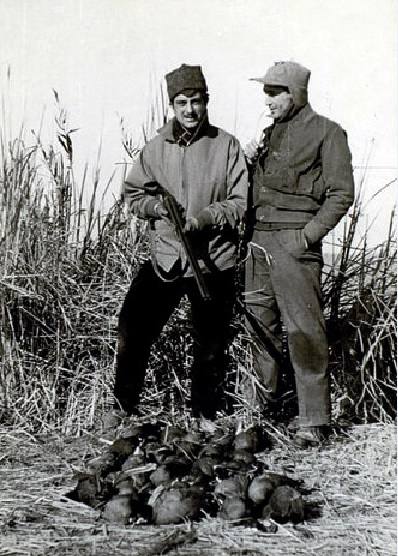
189,110
279,104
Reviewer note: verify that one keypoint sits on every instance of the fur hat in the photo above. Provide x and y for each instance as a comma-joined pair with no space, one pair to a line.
183,78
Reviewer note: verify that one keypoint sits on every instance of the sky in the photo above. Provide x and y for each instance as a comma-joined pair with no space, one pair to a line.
105,58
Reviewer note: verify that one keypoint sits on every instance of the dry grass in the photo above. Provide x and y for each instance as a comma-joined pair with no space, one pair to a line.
352,481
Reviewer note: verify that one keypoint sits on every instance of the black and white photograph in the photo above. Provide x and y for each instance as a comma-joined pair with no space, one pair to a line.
198,277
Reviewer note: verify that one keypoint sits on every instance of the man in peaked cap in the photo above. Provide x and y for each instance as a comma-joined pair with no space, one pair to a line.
204,168
302,185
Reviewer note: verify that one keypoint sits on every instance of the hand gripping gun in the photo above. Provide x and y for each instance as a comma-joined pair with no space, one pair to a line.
174,213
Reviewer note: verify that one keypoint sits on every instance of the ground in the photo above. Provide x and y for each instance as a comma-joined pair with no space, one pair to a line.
352,482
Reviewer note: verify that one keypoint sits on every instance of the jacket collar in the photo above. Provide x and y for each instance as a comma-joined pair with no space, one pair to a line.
297,116
167,131
302,114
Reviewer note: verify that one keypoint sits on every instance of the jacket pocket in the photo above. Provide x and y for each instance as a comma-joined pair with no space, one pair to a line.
305,184
284,181
311,183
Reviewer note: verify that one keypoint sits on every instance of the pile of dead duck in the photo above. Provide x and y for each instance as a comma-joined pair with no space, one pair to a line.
161,474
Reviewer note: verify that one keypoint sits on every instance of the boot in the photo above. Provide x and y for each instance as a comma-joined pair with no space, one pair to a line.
306,437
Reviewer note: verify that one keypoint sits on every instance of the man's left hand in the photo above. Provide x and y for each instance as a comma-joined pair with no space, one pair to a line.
203,220
191,224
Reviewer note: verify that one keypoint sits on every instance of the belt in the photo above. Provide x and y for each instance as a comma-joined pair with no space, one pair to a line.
279,225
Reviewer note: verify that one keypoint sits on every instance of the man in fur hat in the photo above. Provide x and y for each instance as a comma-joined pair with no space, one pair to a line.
204,168
302,186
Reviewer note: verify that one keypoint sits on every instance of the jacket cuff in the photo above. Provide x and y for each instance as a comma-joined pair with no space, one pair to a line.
205,218
149,208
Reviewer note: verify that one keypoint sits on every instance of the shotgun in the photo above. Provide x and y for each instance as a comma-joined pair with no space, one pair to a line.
174,212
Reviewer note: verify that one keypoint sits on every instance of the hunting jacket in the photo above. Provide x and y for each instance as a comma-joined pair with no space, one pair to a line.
303,177
211,174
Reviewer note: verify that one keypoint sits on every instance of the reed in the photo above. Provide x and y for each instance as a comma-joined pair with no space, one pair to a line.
66,265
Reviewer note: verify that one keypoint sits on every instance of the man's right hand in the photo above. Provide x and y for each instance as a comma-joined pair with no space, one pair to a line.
251,149
160,210
155,209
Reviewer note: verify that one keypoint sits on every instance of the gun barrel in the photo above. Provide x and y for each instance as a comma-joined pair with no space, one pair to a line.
172,209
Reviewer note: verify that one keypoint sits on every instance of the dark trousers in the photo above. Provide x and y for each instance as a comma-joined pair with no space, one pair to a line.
287,289
146,309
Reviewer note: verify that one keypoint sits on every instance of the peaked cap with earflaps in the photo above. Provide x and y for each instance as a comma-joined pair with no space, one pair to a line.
183,78
291,75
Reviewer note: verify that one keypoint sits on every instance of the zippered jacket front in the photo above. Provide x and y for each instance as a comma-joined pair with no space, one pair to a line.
303,178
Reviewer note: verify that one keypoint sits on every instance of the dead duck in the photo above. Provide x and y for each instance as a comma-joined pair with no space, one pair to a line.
204,466
262,487
285,504
253,440
124,447
225,441
235,486
136,459
171,433
227,469
213,451
87,490
145,431
244,457
233,508
176,503
190,444
231,496
151,449
178,465
103,464
123,506
161,476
